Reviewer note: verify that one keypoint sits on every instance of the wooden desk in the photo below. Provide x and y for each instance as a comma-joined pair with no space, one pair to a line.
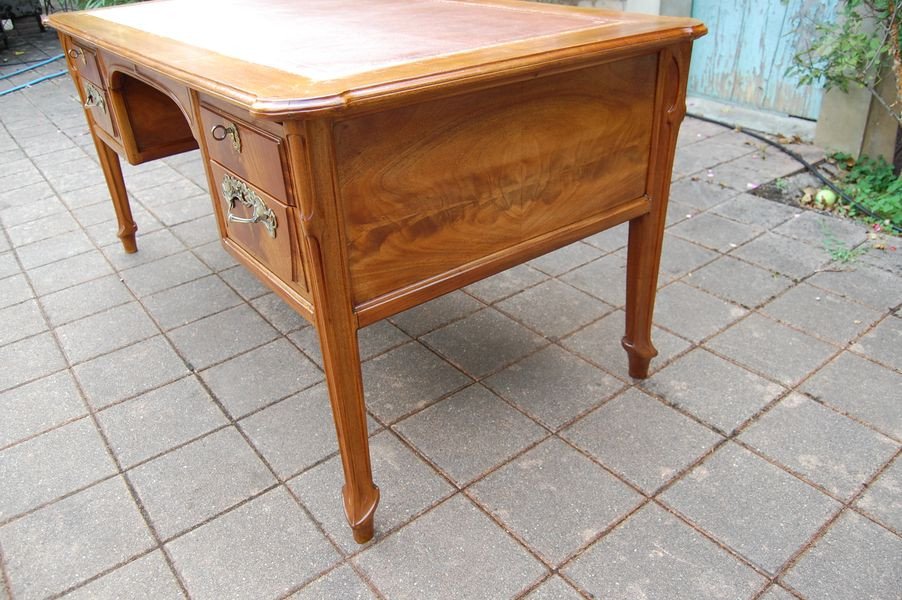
366,156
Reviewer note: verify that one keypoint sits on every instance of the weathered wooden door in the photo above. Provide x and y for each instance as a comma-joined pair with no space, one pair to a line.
750,45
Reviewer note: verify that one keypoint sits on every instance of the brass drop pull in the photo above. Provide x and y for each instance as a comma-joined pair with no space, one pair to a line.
229,130
236,191
94,97
75,53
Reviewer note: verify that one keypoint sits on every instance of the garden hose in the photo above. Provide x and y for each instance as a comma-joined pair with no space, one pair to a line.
31,83
34,66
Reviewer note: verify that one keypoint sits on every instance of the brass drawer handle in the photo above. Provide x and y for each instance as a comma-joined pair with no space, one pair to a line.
75,53
229,130
235,191
94,97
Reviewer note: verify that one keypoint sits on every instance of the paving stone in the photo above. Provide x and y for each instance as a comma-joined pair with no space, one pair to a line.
30,208
84,300
600,343
604,278
181,211
72,540
407,487
436,313
405,379
611,239
883,343
262,549
692,313
65,245
252,380
888,259
883,498
640,438
680,258
772,349
341,583
444,554
505,284
191,301
66,273
655,555
278,313
165,273
554,386
484,342
42,229
110,330
184,487
702,194
29,359
20,321
565,259
747,208
715,232
469,433
106,235
295,433
218,337
859,387
783,255
739,281
826,315
554,309
50,465
755,508
777,593
198,232
38,406
823,446
868,285
147,578
87,196
247,286
855,559
8,265
159,420
554,589
178,189
817,229
214,256
678,212
152,246
714,390
14,290
555,499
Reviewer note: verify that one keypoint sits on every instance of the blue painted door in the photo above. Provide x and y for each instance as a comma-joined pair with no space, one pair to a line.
750,44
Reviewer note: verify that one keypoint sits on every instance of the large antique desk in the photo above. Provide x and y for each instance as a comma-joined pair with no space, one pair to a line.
365,156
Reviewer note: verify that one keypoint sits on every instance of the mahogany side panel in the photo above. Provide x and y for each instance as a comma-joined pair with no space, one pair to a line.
428,188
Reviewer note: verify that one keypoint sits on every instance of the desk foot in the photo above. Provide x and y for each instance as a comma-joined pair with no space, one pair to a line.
362,527
639,357
112,172
128,242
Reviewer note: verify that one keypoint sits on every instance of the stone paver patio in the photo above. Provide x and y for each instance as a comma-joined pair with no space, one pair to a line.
153,443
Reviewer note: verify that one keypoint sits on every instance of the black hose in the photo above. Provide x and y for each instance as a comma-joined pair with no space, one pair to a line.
813,169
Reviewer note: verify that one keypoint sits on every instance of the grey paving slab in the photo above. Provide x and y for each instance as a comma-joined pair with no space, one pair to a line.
407,378
554,589
554,386
427,317
64,245
159,420
641,439
883,343
883,498
469,433
152,246
407,486
223,335
565,259
44,203
755,508
262,549
505,284
655,555
13,290
106,235
855,559
20,321
191,301
484,342
814,228
554,309
147,578
29,359
38,406
72,540
715,232
890,258
772,349
604,278
692,313
129,371
165,273
679,258
198,232
254,379
444,554
739,281
783,255
84,299
714,390
9,265
181,211
178,189
600,343
213,255
66,273
555,499
342,583
87,196
611,239
824,314
820,444
862,389
41,229
379,337
295,433
184,487
869,285
702,194
278,313
747,208
241,280
104,332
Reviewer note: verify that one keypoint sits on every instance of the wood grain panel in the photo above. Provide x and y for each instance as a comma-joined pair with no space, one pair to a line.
428,188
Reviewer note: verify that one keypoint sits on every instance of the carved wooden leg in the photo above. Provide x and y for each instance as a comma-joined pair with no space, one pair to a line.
112,171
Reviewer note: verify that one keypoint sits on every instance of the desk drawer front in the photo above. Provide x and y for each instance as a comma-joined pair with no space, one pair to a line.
85,62
97,103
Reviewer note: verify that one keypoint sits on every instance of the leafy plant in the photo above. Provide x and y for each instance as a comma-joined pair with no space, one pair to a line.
872,183
89,4
839,251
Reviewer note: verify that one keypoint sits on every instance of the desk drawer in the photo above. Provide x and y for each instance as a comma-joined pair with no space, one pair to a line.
85,62
97,103
252,154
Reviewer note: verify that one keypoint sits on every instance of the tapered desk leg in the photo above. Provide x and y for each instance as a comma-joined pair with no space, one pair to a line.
112,171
